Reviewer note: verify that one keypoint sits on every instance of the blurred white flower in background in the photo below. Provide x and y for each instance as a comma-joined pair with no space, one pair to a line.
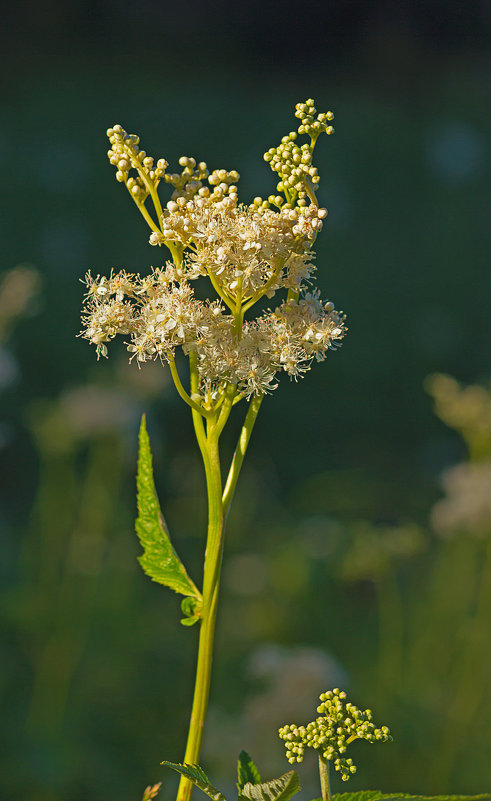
466,506
92,409
291,677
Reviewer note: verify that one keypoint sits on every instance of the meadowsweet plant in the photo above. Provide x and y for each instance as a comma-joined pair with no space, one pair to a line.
249,254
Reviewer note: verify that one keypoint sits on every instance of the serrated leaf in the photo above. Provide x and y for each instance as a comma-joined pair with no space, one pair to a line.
374,795
360,795
159,560
276,790
198,777
246,771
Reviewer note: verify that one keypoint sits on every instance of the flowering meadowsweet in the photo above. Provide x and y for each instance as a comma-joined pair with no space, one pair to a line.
259,255
248,252
339,724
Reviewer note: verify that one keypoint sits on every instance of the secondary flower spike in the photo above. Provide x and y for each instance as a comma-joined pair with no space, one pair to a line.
339,724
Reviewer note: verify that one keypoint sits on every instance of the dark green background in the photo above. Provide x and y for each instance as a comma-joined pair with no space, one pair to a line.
95,671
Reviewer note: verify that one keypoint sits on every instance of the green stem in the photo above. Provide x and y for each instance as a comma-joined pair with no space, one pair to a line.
220,290
175,248
239,454
324,776
155,199
182,392
259,294
144,212
293,294
218,507
211,580
151,189
208,444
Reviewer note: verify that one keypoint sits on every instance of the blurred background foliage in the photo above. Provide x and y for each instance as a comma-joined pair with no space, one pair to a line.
359,548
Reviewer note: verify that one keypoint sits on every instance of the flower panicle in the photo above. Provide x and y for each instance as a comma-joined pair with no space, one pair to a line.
248,253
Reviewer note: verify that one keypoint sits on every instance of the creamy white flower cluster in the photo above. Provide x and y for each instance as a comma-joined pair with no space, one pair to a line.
247,252
244,250
339,725
160,312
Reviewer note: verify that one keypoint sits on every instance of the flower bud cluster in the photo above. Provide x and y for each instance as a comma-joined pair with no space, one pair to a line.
189,183
309,123
125,154
189,180
293,163
339,724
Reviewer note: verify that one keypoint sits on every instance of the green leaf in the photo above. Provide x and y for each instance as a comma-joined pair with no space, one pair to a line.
191,607
246,771
374,795
361,795
196,775
159,560
276,790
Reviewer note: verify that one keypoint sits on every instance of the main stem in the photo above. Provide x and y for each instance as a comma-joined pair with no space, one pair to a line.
211,579
218,508
324,776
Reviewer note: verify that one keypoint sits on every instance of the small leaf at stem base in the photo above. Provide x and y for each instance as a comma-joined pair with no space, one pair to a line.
246,771
276,790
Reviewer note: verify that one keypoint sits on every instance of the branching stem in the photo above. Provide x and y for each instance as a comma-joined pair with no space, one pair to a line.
239,454
220,290
144,211
267,286
182,392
